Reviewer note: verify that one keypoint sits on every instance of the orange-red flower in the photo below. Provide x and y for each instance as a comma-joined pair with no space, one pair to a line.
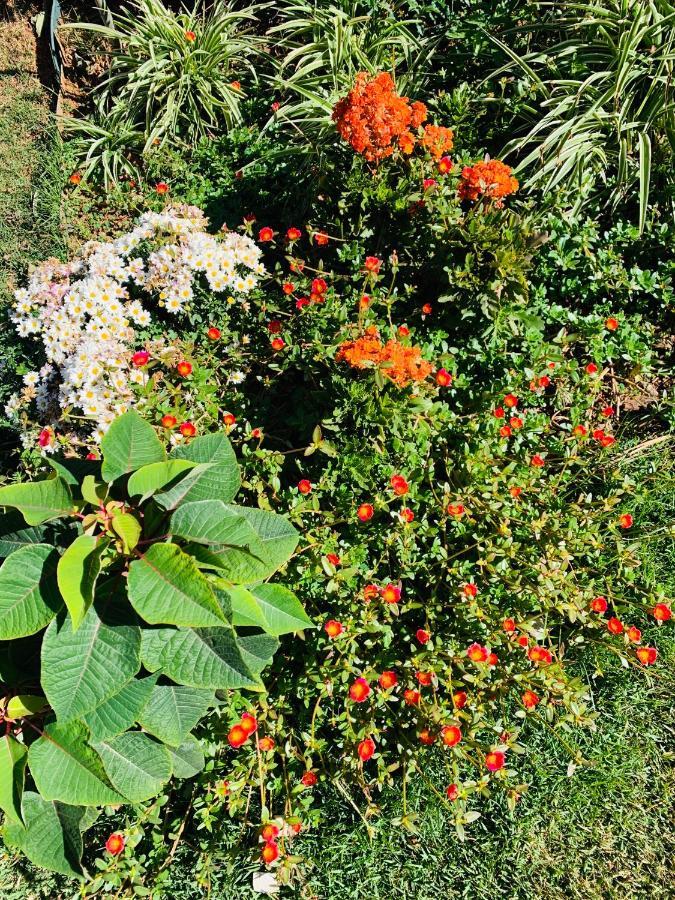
459,698
187,429
184,369
309,779
269,832
509,626
213,333
115,844
452,792
269,852
530,699
491,179
599,604
611,324
647,655
169,421
477,653
266,744
625,520
237,736
375,120
387,680
437,140
399,485
162,187
359,690
400,364
265,234
305,486
229,419
366,749
411,697
456,509
451,735
662,612
293,234
333,628
427,737
249,722
391,593
634,634
372,264
365,512
495,760
422,636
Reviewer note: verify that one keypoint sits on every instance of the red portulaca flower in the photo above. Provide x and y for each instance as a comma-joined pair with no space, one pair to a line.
269,853
359,690
494,761
140,358
387,680
647,655
422,636
187,429
115,844
451,735
391,593
309,779
399,485
365,512
477,653
293,234
443,378
662,612
372,264
184,369
625,520
305,486
265,234
366,749
169,421
530,699
599,604
333,628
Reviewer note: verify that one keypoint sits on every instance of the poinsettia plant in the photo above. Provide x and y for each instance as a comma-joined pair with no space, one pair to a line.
134,591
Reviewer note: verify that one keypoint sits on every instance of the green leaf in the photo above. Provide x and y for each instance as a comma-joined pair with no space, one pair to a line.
137,766
204,657
173,711
13,756
216,479
128,528
241,607
212,522
29,597
15,534
25,705
129,444
74,470
119,712
280,610
257,650
83,669
278,539
39,501
152,478
76,574
65,768
188,759
93,491
51,838
645,147
166,587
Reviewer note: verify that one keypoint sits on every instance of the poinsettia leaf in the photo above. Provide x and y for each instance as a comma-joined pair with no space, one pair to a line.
129,444
188,759
257,650
76,574
83,669
137,766
166,587
199,657
150,479
21,705
15,534
172,711
241,607
51,838
128,528
29,596
280,611
217,478
64,767
74,470
39,501
211,522
119,712
13,757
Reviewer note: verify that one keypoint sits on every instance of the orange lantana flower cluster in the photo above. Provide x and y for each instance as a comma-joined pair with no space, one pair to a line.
398,363
375,120
491,179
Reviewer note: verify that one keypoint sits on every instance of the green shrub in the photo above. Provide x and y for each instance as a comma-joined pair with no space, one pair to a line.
132,592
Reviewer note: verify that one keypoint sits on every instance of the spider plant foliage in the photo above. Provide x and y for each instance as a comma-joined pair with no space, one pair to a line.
176,76
324,46
605,88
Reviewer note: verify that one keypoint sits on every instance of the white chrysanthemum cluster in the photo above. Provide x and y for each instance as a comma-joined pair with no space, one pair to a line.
84,312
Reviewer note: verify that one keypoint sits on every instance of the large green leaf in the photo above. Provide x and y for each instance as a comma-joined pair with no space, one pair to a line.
204,657
216,479
137,766
119,713
73,469
152,478
12,775
166,587
257,650
83,669
64,767
22,705
212,522
173,711
276,541
39,501
51,837
129,444
188,759
280,611
76,574
15,534
29,597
